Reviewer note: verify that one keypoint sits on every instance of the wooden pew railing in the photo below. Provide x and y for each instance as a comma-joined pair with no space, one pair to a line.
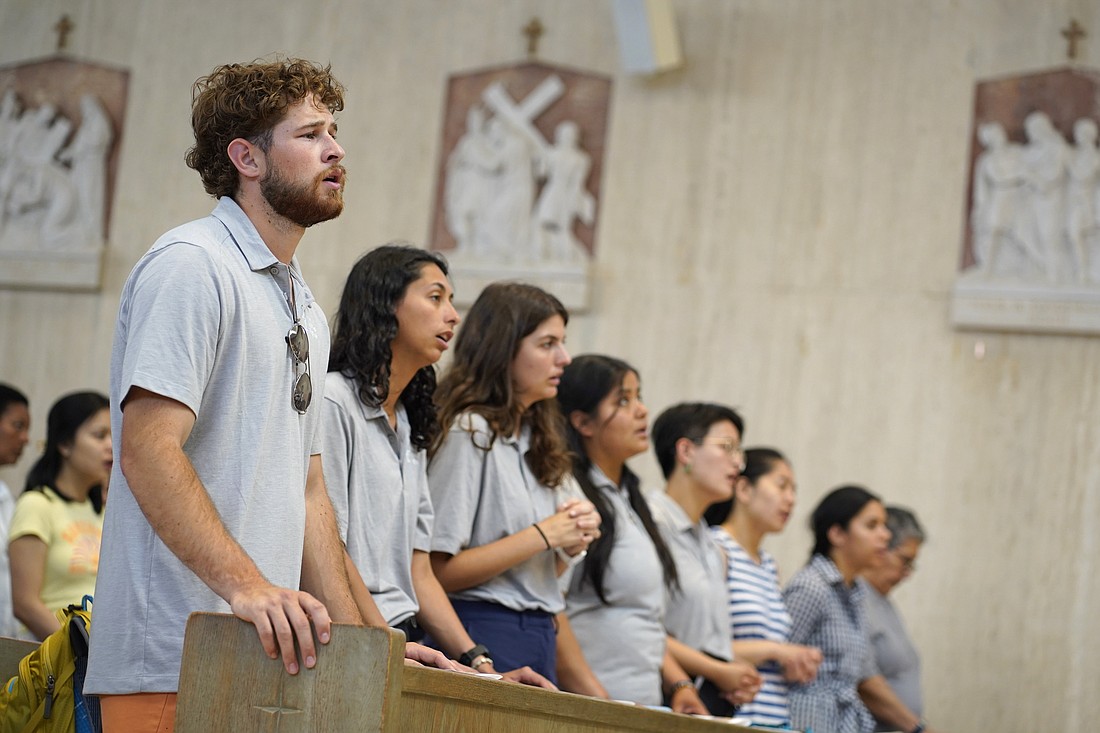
361,684
11,652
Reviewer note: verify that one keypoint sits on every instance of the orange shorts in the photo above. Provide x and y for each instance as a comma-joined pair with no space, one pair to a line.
143,712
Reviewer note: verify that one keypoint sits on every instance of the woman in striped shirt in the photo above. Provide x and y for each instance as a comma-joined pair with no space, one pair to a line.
760,626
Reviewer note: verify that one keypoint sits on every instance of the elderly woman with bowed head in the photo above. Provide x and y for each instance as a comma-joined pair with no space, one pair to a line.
894,694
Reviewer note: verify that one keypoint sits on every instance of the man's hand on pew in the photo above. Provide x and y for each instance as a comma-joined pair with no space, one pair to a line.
280,616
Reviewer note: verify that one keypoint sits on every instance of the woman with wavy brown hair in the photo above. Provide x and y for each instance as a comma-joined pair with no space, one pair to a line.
501,527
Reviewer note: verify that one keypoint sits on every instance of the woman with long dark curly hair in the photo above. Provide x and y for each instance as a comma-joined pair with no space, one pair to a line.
494,476
395,321
615,599
55,533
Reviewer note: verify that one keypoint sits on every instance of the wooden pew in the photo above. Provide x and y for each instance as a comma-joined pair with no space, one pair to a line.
11,652
361,683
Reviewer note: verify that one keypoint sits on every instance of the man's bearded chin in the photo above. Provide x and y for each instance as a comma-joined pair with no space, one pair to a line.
305,204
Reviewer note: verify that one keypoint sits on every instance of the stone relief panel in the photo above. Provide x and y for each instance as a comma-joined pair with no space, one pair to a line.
60,129
517,194
1031,248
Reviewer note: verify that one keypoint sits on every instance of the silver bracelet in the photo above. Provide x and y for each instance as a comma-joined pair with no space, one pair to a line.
570,560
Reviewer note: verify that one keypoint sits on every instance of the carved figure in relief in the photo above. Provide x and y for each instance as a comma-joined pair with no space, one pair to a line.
1046,160
999,179
492,176
87,157
52,196
564,197
507,213
1083,211
466,184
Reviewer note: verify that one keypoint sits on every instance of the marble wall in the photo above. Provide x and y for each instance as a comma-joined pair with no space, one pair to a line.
780,231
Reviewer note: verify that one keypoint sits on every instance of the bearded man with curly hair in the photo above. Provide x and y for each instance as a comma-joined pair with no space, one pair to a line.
217,371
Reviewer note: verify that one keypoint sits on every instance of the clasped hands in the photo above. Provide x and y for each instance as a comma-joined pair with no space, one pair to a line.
573,527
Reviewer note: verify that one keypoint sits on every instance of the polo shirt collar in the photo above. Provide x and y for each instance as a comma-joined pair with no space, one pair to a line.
523,440
251,245
377,413
828,570
681,522
600,480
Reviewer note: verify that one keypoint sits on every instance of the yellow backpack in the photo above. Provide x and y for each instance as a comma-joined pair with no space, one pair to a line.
46,696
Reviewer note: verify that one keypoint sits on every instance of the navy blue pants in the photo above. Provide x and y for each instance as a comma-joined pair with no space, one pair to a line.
514,638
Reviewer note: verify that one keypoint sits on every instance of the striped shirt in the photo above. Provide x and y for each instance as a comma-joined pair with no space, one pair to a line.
756,611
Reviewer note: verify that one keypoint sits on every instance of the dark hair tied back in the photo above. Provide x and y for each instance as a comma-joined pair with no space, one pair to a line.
65,418
587,381
758,462
838,508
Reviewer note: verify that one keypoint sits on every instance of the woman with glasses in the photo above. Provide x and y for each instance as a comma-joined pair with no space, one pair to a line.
616,594
698,446
894,694
396,319
826,607
53,543
763,499
494,476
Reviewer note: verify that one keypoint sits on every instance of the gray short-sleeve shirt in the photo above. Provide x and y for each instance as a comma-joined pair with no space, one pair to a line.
481,496
203,320
695,614
379,489
623,640
895,656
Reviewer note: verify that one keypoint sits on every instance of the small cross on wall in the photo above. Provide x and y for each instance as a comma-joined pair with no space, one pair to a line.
533,31
63,28
1073,33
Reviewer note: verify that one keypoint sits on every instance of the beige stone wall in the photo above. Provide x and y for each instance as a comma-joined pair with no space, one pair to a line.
780,230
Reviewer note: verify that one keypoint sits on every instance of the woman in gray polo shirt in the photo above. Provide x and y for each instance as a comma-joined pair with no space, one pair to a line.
615,598
698,445
395,321
501,524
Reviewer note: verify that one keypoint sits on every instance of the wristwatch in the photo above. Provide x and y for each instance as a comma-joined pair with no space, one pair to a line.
479,650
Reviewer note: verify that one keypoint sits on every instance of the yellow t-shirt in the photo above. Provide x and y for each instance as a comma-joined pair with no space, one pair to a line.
71,531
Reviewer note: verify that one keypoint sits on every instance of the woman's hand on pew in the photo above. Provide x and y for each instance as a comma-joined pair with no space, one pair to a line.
522,675
418,655
686,700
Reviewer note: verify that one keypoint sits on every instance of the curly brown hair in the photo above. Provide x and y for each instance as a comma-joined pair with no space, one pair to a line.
480,377
247,101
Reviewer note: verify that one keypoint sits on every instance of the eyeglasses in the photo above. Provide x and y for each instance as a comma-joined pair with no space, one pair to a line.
301,392
909,564
733,449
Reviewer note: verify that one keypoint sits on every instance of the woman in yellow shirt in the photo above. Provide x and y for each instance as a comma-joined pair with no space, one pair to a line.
53,543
